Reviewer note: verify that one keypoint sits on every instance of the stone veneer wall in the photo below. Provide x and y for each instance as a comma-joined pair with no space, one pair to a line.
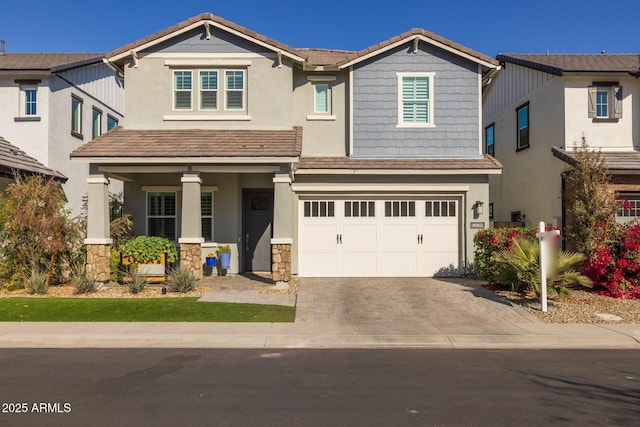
191,258
281,262
98,260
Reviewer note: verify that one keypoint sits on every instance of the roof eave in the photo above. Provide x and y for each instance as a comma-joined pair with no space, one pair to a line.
488,64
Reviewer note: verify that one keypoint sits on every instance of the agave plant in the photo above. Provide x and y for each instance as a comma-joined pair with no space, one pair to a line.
519,267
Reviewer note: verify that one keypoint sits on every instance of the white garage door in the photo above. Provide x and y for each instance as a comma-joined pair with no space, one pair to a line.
378,238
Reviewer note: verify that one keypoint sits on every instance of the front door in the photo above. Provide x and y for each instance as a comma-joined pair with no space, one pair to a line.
258,217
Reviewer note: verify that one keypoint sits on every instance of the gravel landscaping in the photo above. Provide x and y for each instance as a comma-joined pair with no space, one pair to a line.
579,307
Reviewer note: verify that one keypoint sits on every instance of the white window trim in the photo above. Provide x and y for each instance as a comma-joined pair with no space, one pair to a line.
213,213
199,100
146,211
174,90
431,123
23,100
244,89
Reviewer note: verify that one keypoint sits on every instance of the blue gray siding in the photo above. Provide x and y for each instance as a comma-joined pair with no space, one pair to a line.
456,103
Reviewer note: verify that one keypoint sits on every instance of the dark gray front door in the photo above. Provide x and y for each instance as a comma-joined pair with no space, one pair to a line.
258,217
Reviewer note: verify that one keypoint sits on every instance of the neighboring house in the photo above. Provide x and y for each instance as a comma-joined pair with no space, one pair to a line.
306,161
538,108
52,103
14,161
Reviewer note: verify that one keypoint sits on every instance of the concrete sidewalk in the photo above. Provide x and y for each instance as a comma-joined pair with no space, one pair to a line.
343,313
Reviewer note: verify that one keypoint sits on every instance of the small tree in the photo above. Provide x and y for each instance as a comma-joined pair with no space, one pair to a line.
35,225
587,198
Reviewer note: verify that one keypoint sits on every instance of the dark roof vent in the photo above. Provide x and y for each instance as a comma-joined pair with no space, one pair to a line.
2,47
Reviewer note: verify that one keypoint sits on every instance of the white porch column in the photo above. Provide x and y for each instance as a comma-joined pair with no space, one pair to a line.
98,239
283,224
191,236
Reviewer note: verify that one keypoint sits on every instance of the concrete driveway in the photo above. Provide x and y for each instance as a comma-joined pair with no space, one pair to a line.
404,301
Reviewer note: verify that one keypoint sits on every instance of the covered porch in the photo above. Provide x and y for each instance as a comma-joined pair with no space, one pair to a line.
200,189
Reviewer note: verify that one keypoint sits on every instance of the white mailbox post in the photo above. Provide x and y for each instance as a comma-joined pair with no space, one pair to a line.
547,238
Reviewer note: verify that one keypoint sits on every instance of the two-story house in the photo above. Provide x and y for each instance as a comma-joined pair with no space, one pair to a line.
52,103
306,161
538,108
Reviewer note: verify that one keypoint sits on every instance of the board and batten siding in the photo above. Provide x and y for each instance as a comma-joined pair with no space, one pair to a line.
101,82
455,102
511,84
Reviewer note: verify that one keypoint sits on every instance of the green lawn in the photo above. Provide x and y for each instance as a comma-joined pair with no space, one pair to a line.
16,309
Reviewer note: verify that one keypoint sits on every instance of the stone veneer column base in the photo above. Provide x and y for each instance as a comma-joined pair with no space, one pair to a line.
281,262
98,262
191,258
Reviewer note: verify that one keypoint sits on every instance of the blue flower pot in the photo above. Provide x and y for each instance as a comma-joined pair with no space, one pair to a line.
211,262
225,260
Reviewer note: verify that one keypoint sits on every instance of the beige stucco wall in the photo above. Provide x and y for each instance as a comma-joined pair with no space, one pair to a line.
322,136
149,94
530,181
608,135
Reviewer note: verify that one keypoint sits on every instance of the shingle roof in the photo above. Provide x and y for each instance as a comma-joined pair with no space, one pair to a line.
13,158
417,32
201,18
614,161
324,56
558,64
124,143
486,162
44,61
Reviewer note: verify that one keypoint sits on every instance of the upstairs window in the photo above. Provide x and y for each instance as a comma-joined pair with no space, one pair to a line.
76,116
522,116
605,101
97,123
30,100
234,89
111,122
208,90
321,98
182,87
489,139
415,99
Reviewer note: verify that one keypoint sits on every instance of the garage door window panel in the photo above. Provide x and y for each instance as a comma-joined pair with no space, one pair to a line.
399,208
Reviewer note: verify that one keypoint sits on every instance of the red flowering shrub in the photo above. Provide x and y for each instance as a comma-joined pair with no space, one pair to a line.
614,263
488,241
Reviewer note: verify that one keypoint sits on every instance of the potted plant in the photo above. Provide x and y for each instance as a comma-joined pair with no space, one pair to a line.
224,255
210,263
150,254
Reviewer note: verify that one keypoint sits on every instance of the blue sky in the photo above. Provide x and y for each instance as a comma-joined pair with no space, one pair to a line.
490,27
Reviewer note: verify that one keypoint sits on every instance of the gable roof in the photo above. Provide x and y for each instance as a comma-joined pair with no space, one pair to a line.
560,64
181,143
314,57
422,35
46,61
204,19
12,158
618,161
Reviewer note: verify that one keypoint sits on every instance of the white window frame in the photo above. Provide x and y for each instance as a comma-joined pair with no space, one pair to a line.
430,101
208,217
24,88
201,90
174,90
243,90
174,216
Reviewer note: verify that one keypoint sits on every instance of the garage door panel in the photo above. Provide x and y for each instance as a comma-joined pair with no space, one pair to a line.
369,241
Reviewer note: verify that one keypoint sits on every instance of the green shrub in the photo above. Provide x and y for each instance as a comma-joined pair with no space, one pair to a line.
488,241
182,280
519,268
37,283
134,279
114,265
86,284
145,249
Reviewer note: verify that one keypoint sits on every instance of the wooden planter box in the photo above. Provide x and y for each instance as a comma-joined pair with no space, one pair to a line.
155,271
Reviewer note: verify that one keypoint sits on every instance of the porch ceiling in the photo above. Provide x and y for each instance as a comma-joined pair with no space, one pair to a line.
167,144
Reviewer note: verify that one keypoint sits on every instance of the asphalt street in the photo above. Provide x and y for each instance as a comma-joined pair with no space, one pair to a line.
296,387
